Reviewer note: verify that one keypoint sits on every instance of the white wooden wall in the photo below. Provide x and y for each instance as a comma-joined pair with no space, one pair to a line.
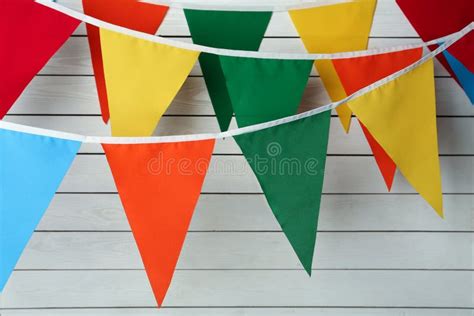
377,253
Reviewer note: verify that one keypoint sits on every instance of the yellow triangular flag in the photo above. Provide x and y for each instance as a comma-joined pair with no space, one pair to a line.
401,116
335,28
142,78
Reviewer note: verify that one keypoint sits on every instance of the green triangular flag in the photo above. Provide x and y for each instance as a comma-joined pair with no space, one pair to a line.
224,29
288,161
262,90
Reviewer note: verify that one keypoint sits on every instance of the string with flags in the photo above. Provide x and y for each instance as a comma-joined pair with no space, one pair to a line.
138,75
133,64
123,79
38,159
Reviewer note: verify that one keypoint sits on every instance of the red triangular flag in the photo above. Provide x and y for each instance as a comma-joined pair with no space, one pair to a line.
386,165
30,34
359,72
437,18
159,185
132,14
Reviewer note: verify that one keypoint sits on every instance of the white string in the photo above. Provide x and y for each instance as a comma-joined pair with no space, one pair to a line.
228,52
239,131
245,7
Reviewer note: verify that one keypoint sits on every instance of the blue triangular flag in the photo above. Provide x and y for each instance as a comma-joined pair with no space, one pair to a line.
31,169
464,75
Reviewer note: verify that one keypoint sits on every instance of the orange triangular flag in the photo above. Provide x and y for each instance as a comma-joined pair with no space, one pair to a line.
359,72
132,14
159,185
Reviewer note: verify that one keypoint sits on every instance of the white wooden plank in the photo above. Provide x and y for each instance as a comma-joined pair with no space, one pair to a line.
388,19
74,56
454,133
242,288
220,212
78,95
257,250
164,311
90,173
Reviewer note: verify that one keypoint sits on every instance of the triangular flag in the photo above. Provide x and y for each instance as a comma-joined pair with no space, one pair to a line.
262,90
465,76
288,161
463,50
401,116
132,14
433,19
335,28
142,78
31,169
358,72
229,30
159,185
386,165
30,35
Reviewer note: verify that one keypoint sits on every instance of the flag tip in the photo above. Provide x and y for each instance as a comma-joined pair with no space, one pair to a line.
159,302
308,269
346,127
438,208
440,214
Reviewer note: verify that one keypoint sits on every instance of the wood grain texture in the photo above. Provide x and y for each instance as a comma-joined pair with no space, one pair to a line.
377,254
235,311
258,250
242,288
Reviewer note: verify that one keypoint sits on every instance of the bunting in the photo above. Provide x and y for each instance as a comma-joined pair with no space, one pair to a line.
132,14
159,185
264,89
224,29
437,18
142,78
30,35
358,72
401,116
31,169
335,28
